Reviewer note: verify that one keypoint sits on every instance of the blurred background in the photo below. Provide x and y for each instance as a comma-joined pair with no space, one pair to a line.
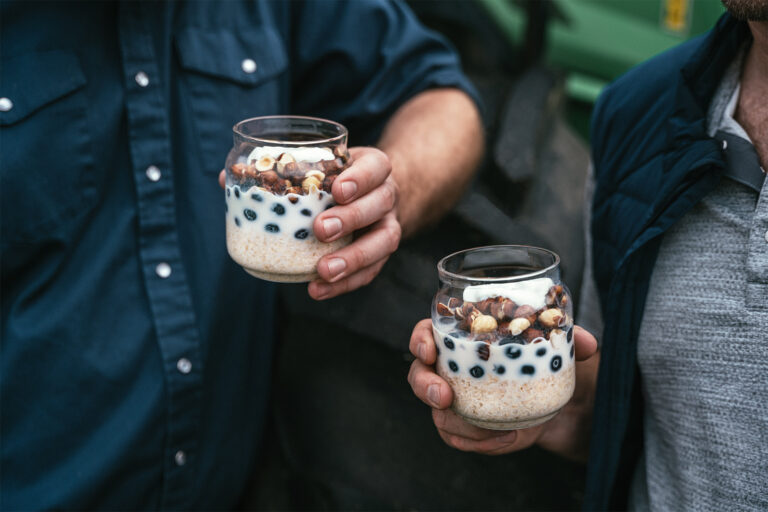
347,433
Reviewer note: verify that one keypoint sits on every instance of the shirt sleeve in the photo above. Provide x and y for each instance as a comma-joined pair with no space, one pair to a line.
357,61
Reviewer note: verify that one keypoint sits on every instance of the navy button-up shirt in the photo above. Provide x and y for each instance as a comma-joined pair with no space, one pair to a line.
135,353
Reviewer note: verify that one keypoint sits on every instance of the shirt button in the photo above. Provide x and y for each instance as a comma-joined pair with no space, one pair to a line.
5,104
142,79
163,270
248,65
184,365
725,144
153,173
766,236
180,458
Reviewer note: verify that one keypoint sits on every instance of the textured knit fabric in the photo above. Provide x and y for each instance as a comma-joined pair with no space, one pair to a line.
702,350
703,356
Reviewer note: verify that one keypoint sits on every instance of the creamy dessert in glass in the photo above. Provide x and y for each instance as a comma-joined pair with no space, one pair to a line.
503,325
279,175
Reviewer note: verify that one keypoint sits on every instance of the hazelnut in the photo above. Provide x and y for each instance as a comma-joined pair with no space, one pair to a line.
309,184
483,324
485,305
518,325
293,199
238,169
454,302
265,163
527,312
551,318
556,337
315,174
532,335
504,328
268,177
286,158
443,310
328,183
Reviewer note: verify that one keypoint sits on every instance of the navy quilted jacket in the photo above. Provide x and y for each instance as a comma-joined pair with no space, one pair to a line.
653,162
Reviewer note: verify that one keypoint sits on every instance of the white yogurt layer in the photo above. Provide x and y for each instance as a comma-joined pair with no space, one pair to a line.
299,154
532,292
272,237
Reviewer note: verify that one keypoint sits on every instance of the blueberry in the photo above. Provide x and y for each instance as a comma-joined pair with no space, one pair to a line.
278,209
513,352
257,197
446,320
540,352
476,372
272,228
449,343
249,214
569,336
453,366
228,192
498,368
556,363
571,351
527,369
455,334
237,191
306,212
301,234
517,340
237,222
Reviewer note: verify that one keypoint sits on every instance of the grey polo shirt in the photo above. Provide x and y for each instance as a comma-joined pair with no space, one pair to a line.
703,342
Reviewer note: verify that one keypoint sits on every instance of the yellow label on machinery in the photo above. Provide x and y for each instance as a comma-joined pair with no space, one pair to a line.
675,15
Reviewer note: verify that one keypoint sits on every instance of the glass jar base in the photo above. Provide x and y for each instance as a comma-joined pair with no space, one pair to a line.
510,425
282,278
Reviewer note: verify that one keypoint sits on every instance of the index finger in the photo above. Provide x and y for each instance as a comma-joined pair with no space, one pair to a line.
370,167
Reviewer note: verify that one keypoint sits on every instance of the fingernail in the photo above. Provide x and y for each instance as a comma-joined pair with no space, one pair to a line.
422,350
336,266
322,290
433,394
348,189
331,226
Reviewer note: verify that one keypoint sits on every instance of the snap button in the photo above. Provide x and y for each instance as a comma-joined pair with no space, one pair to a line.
248,65
142,79
5,104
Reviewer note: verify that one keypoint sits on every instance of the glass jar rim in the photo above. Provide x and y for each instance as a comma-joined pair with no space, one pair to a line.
343,132
444,273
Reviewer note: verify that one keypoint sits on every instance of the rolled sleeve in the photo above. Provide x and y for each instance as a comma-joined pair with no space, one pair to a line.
358,61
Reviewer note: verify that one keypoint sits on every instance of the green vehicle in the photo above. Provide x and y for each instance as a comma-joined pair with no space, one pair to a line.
594,41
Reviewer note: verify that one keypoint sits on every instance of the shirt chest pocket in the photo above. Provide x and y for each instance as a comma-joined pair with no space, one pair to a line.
46,162
227,77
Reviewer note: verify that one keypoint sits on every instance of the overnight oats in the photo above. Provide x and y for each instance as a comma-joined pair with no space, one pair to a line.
503,325
279,177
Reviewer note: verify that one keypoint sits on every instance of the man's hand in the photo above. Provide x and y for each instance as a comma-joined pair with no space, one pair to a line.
566,434
366,198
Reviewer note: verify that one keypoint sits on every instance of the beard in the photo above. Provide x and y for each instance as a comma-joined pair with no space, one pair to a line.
747,10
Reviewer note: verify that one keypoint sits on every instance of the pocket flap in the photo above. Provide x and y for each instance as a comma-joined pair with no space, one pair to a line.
32,81
222,53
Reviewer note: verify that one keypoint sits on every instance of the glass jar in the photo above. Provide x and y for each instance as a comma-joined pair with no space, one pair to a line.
503,325
279,177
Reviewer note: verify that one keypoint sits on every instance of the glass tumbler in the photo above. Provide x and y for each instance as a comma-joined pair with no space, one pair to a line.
502,321
279,177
